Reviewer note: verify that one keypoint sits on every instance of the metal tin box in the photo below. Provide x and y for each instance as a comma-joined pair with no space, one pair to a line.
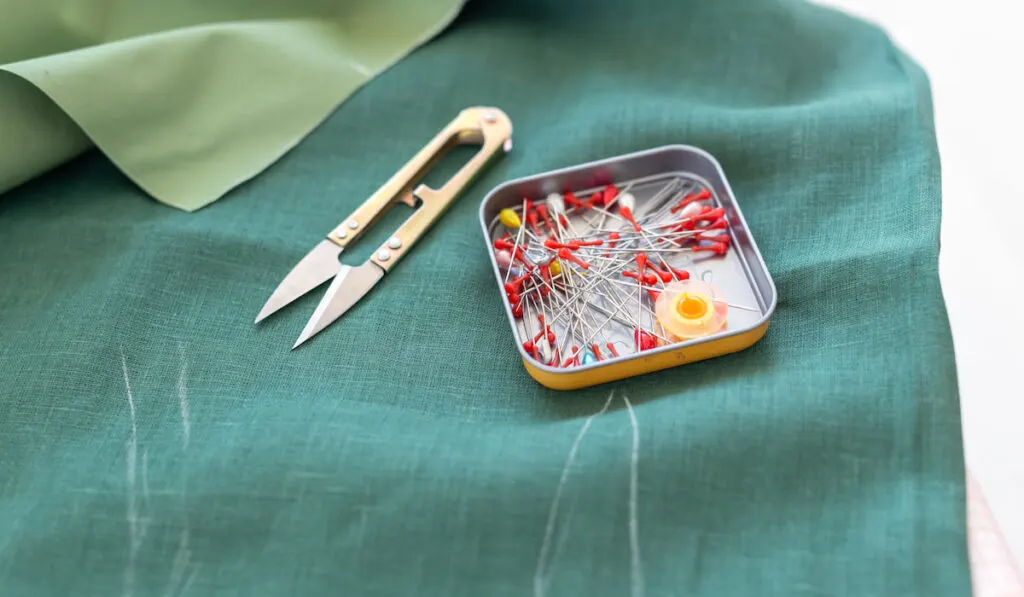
740,273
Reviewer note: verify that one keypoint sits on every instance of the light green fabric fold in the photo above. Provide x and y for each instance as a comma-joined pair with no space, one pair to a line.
189,100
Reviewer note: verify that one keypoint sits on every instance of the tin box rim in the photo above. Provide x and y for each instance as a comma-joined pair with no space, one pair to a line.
765,317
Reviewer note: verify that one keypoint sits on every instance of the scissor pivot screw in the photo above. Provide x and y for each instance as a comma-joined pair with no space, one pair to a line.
395,243
353,224
383,255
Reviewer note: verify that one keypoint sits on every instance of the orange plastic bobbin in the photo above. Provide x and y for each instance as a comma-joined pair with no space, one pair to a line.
689,309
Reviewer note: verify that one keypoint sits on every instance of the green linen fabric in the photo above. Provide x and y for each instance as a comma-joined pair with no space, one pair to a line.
189,97
156,442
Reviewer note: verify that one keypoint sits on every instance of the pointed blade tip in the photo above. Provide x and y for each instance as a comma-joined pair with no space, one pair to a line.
302,339
315,268
358,281
312,328
265,312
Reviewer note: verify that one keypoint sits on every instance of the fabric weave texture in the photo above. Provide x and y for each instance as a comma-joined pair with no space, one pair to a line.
155,442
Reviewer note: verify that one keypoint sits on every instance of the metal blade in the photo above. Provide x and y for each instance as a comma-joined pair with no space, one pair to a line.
350,285
315,268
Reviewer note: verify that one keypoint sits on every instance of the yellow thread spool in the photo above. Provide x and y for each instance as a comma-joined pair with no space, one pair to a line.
690,309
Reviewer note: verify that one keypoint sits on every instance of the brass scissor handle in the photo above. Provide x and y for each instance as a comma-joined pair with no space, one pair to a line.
487,126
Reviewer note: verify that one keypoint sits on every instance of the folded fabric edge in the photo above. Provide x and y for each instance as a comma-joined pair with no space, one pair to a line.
430,34
41,138
259,167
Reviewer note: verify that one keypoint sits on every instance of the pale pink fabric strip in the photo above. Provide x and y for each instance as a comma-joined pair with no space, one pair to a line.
992,566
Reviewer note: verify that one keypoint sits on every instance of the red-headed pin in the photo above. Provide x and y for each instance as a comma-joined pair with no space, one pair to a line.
627,213
717,248
531,215
566,255
613,239
543,211
719,238
545,329
680,274
609,194
648,279
572,200
665,276
701,196
683,225
709,215
516,284
575,355
532,219
644,340
541,334
571,245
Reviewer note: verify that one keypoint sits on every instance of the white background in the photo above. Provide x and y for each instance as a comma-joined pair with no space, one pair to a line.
973,52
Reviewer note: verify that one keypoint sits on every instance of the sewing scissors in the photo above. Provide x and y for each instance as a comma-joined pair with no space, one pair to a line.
487,126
